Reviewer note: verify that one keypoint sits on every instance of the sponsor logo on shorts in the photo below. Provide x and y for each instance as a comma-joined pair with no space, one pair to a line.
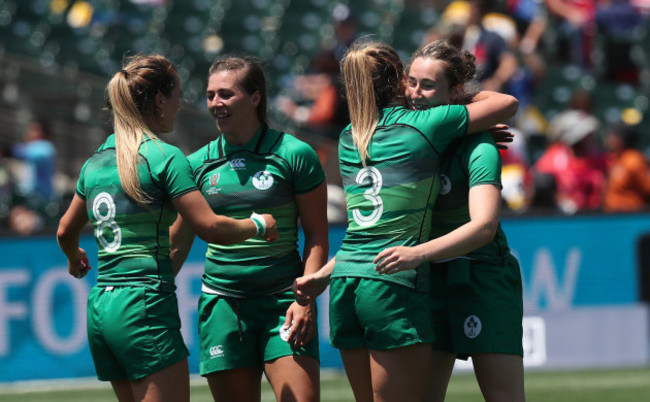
216,351
262,180
472,326
237,164
445,184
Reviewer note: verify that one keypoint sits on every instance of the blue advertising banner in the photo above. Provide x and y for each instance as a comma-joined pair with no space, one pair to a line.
566,263
580,261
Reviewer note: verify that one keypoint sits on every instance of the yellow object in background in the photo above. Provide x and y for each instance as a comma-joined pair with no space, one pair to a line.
59,6
80,14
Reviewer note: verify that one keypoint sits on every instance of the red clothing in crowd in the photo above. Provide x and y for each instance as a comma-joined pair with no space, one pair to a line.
580,180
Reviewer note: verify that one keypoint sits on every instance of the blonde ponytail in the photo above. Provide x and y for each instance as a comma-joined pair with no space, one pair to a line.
128,127
373,74
362,105
131,96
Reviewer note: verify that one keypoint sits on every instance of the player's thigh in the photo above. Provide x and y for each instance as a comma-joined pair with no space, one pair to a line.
294,378
500,376
123,390
400,374
236,385
170,384
442,365
356,363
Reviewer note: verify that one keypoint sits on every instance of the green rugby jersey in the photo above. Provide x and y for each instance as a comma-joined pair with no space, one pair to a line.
263,176
133,241
472,161
389,201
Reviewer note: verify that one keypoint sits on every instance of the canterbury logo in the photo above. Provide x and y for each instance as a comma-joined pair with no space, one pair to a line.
216,351
238,163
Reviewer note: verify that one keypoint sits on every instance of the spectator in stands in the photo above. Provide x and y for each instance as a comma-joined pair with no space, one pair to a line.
576,29
516,174
529,69
345,26
324,114
321,114
619,24
628,178
574,161
34,190
131,189
495,61
7,184
36,181
462,25
582,100
531,20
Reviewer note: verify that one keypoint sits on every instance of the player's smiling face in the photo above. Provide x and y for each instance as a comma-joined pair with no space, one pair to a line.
427,84
231,106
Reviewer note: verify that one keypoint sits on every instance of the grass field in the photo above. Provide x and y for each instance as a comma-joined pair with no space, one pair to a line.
625,385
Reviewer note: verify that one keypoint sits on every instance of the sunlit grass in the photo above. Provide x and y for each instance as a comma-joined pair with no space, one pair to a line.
624,385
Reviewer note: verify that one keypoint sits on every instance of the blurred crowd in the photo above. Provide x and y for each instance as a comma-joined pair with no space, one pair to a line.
30,200
568,162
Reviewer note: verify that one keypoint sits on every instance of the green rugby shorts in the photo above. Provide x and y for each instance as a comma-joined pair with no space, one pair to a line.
377,315
133,331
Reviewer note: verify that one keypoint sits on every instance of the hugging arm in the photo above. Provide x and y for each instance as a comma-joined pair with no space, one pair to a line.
484,207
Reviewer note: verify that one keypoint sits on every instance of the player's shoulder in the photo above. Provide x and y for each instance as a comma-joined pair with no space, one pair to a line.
156,149
202,153
161,157
479,147
483,139
285,145
109,143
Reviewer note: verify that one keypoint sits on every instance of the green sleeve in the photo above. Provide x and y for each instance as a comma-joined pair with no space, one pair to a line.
443,124
174,173
483,160
306,167
81,188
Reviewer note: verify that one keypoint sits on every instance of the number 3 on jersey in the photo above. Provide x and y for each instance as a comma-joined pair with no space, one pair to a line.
372,195
106,220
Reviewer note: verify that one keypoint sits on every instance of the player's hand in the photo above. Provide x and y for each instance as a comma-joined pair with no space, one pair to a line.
271,233
79,267
396,259
302,323
502,135
307,288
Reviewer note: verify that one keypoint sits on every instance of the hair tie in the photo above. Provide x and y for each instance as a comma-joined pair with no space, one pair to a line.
126,74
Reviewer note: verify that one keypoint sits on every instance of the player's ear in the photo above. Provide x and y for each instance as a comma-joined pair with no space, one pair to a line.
456,93
160,100
256,98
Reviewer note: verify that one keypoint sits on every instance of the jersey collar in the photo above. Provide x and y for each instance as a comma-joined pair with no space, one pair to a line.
253,145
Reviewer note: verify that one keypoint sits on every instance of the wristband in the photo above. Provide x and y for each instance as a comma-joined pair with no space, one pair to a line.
260,223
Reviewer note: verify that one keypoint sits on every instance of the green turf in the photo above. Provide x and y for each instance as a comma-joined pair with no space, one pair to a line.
625,385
